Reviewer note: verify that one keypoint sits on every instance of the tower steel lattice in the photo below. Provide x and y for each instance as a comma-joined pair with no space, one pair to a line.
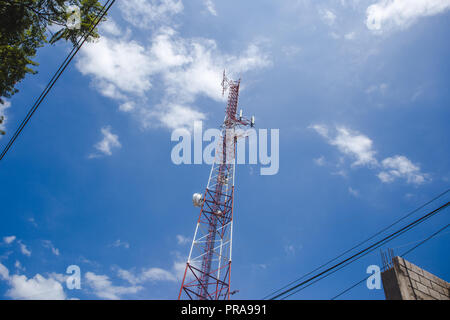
207,273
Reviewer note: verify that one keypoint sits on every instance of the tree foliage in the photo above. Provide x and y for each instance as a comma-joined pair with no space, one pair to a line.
26,25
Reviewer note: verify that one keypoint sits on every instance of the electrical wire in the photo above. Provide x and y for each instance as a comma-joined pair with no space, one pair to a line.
414,242
425,240
361,243
362,253
347,263
57,74
402,255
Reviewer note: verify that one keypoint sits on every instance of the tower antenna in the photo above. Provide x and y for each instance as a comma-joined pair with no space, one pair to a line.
207,274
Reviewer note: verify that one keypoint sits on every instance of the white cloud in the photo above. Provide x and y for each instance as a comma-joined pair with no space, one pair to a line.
178,116
58,277
106,145
103,288
351,143
3,107
157,274
4,272
127,106
327,16
186,68
36,288
355,144
381,88
19,266
353,192
128,276
341,172
119,243
145,13
145,275
359,147
179,267
193,67
9,239
182,239
350,3
289,249
320,129
252,58
350,35
154,274
109,26
291,50
118,66
24,249
320,161
32,221
49,245
210,6
401,167
334,35
386,14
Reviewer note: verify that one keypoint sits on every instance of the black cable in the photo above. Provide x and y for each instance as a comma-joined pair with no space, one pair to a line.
350,288
52,80
365,251
57,74
425,240
359,244
402,255
22,124
54,76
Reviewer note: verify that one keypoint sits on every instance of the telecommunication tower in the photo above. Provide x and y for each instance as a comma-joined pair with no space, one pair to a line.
207,274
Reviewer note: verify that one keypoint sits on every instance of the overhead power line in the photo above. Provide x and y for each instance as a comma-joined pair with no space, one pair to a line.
347,263
402,255
57,74
425,240
364,252
359,254
416,241
360,243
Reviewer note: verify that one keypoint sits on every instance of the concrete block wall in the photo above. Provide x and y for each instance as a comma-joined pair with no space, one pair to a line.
406,281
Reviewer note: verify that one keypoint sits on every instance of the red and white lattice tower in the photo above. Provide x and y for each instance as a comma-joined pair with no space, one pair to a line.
207,273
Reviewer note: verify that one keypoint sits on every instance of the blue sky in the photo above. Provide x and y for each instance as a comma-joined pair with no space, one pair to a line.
358,90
